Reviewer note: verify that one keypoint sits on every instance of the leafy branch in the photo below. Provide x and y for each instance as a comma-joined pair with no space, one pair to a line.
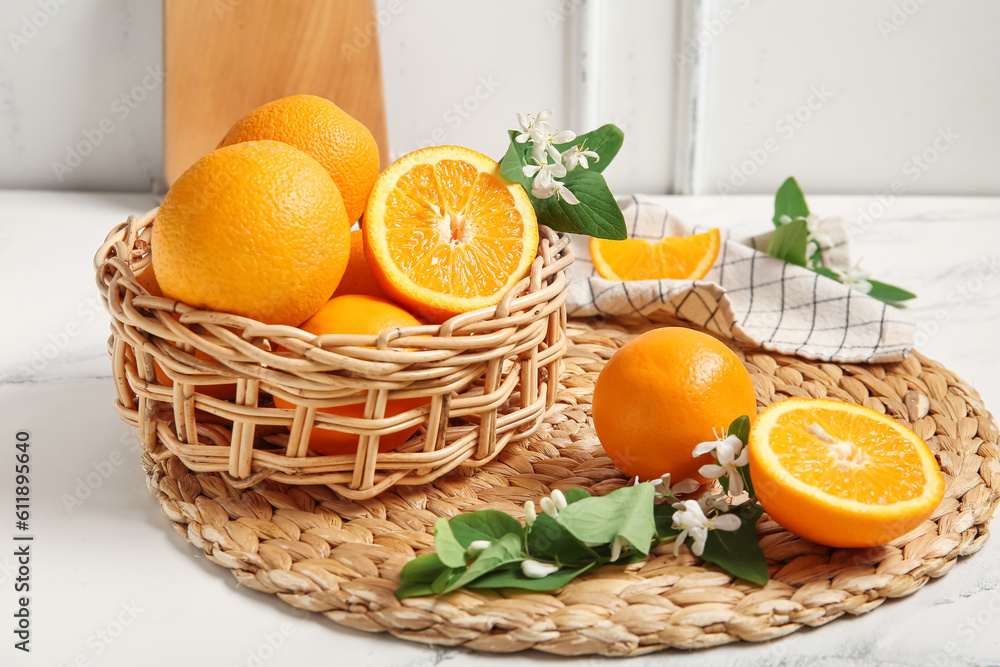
799,239
576,532
581,202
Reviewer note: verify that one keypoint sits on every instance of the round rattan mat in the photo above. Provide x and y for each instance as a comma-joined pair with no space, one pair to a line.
342,558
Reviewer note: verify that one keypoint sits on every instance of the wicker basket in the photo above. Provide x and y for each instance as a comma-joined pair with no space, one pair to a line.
490,376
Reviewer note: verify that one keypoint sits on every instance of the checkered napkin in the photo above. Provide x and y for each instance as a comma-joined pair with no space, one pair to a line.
749,296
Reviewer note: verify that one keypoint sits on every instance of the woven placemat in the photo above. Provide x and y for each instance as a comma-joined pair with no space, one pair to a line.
342,558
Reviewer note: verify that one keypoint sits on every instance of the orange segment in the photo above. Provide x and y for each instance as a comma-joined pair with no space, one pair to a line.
842,474
446,234
678,258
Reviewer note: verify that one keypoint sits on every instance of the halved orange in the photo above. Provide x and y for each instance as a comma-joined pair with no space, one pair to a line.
677,258
445,233
841,474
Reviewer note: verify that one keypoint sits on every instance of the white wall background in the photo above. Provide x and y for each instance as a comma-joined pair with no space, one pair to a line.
715,96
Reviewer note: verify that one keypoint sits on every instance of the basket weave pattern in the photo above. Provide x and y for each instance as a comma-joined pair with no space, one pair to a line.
489,375
342,558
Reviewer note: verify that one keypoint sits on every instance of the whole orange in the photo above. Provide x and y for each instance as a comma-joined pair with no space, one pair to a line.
364,315
256,229
664,392
358,278
343,145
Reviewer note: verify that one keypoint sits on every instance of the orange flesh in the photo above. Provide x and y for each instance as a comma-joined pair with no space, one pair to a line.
868,461
686,257
453,229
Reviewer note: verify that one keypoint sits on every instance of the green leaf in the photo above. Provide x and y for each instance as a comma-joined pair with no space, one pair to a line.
448,548
505,550
663,517
417,575
740,428
549,540
738,552
424,568
516,157
790,201
627,512
606,141
574,494
513,577
829,273
483,525
789,241
408,589
596,215
889,293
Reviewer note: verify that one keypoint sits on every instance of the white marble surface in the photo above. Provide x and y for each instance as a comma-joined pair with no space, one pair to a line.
113,584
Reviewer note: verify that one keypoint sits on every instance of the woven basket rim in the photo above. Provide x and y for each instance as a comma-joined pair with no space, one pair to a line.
410,337
489,376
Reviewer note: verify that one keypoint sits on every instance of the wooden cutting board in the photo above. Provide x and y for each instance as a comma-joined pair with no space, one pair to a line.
223,58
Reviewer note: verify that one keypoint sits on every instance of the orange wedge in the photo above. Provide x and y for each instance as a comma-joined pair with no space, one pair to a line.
841,474
445,233
678,258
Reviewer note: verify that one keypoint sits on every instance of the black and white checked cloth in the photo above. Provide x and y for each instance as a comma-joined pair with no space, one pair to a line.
749,296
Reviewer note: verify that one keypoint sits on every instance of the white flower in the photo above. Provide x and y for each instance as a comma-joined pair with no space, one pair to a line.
616,547
714,500
691,521
477,546
543,141
729,458
709,445
529,513
544,186
817,234
529,125
855,277
678,489
544,170
534,569
576,155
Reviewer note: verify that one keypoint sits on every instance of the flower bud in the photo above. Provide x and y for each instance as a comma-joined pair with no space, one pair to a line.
529,513
534,569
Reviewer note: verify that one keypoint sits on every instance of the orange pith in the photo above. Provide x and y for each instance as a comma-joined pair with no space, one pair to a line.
445,233
842,474
678,258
